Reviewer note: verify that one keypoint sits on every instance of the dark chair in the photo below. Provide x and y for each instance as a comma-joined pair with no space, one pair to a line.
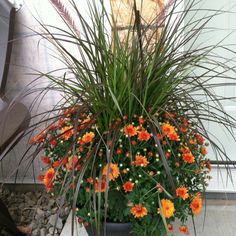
14,116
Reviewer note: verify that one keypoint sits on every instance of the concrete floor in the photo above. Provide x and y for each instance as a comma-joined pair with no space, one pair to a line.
217,219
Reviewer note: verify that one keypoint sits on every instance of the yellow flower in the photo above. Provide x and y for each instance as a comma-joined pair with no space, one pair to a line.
168,208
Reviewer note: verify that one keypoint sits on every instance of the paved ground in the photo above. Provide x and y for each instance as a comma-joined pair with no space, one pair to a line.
219,219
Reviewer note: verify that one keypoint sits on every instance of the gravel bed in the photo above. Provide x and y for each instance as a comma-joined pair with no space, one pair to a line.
37,211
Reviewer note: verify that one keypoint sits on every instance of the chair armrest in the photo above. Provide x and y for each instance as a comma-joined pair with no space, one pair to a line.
7,19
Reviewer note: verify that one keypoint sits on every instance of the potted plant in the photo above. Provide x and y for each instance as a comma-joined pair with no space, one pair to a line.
135,177
128,145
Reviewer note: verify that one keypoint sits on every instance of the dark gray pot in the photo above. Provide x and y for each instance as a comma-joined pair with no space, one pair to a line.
112,229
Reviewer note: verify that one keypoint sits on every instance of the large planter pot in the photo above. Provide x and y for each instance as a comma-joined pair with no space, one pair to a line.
112,229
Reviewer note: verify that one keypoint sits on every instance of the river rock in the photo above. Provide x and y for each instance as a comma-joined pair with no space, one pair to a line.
53,220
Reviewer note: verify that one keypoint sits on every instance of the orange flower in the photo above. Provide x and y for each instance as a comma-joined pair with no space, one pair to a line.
184,149
188,157
140,161
114,171
143,135
173,137
182,192
49,186
88,137
101,185
138,211
200,139
203,150
46,160
192,141
167,129
128,186
167,208
130,130
196,204
170,132
67,132
48,177
183,229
